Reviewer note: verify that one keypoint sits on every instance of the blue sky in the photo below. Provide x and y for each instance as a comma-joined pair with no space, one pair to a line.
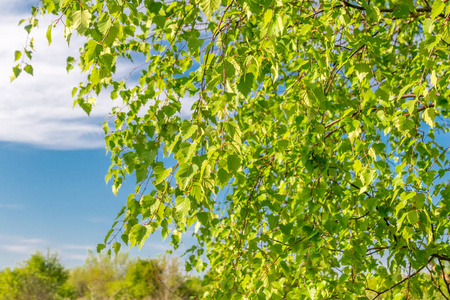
57,200
53,161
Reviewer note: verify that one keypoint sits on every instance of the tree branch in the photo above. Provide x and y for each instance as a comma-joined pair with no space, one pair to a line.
388,10
441,256
436,284
444,276
358,111
400,282
340,119
438,158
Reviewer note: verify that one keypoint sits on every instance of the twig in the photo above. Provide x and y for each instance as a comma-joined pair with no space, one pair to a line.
436,285
400,282
444,276
438,158
388,10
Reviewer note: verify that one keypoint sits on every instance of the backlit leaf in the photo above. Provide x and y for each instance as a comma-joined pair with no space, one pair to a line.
209,7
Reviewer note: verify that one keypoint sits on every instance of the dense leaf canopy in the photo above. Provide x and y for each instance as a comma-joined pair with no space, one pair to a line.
313,161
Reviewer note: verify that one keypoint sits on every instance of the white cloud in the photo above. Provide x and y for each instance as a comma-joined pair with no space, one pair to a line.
26,249
160,247
17,244
14,6
186,105
38,110
15,248
12,206
80,258
77,247
32,241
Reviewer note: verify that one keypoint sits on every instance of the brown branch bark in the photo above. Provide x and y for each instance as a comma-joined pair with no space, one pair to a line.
441,257
400,282
444,276
436,284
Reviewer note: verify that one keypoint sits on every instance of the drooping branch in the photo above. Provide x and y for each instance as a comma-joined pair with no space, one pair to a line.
340,119
388,10
436,284
422,108
444,276
398,283
438,158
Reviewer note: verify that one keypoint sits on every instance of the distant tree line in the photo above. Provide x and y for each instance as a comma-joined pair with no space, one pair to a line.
43,277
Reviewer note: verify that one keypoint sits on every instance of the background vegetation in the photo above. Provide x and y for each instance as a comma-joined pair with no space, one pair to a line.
43,277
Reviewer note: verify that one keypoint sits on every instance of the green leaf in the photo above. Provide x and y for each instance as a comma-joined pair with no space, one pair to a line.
412,217
183,205
410,106
104,26
446,33
357,166
100,247
141,173
116,247
112,34
27,53
407,233
121,212
93,50
437,8
161,174
433,78
105,127
362,71
223,177
186,151
368,176
15,73
404,124
108,235
138,235
17,55
185,174
246,83
69,64
233,163
428,25
188,129
80,20
268,15
197,227
133,206
49,34
428,116
373,12
209,7
28,69
124,238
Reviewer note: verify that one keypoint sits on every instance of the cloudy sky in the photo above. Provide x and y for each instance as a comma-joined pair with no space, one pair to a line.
52,157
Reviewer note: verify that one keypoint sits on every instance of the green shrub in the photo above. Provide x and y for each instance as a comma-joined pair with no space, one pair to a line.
39,277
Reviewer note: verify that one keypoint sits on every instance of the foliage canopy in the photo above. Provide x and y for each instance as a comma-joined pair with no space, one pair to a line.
312,163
